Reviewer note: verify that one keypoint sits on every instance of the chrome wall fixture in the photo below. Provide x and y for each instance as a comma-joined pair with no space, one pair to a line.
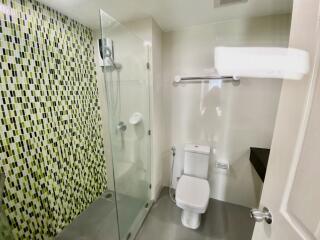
201,79
122,127
261,215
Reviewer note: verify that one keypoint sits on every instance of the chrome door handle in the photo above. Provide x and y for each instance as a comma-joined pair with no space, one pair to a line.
259,215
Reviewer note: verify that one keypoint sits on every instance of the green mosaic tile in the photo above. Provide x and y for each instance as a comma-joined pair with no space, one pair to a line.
51,148
5,230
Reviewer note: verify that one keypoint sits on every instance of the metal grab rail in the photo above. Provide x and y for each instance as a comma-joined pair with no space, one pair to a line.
179,79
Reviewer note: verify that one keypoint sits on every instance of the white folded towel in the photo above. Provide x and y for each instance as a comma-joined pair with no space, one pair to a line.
261,62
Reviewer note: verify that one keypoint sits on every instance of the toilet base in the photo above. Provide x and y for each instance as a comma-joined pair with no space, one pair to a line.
190,219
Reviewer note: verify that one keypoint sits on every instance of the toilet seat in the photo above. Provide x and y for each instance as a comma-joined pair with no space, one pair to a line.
192,193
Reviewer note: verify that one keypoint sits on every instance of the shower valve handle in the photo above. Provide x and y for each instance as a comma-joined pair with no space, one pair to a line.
122,126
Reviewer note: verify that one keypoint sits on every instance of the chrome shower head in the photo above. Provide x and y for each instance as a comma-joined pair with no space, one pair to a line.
107,52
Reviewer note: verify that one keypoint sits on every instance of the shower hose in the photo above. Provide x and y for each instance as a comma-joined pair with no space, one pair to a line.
171,190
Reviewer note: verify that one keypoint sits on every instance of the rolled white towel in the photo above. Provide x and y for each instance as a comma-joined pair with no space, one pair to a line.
261,62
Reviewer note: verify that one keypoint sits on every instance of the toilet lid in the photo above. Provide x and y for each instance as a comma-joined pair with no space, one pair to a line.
193,191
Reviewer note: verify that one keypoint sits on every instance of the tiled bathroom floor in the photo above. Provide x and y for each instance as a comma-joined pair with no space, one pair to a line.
99,220
223,221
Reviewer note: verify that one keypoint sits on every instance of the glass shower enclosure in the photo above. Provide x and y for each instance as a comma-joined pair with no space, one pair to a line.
126,81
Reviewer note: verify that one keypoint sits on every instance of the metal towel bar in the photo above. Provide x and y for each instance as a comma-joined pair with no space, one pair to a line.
179,79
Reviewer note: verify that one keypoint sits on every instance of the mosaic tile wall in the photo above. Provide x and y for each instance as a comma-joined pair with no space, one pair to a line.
51,148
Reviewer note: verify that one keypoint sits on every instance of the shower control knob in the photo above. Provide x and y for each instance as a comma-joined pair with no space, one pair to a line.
259,215
122,126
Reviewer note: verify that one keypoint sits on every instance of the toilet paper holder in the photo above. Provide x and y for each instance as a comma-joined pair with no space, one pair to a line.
223,165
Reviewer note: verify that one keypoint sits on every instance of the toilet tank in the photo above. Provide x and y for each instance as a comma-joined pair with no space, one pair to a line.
196,160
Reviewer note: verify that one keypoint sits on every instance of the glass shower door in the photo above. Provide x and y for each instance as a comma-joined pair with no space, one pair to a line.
125,58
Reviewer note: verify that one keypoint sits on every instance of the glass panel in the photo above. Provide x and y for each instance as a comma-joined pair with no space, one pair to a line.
127,89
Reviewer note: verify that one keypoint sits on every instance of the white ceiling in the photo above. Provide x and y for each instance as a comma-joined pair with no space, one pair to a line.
169,14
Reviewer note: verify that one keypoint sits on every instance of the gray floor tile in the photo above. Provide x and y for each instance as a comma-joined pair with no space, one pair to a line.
223,221
99,220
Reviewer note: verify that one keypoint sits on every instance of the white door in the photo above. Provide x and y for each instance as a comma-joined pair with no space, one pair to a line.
292,186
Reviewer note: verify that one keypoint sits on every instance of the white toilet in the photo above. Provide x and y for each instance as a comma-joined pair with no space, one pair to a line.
192,192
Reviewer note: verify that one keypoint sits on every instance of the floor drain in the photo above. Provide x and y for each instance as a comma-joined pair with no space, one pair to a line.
107,195
128,236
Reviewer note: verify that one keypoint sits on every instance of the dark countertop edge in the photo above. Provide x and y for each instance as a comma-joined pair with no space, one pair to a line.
259,159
